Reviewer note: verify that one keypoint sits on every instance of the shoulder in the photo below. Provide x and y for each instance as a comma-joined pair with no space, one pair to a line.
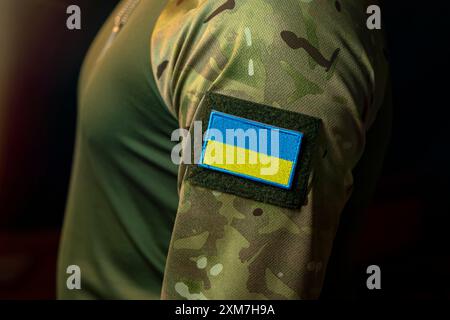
275,52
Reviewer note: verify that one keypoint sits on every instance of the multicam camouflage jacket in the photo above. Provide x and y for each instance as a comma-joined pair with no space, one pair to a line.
312,57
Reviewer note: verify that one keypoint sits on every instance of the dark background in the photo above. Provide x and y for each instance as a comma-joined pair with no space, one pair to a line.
405,230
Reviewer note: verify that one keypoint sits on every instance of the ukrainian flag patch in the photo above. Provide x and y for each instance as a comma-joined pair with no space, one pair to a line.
267,156
252,150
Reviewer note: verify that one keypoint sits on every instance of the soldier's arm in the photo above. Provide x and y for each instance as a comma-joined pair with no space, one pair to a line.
300,59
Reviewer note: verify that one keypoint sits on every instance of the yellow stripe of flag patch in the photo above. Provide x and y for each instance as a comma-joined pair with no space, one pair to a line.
247,163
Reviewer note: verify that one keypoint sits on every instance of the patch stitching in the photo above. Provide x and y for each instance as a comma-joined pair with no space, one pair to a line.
309,126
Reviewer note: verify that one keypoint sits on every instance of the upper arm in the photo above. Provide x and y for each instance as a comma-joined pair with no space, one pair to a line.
314,58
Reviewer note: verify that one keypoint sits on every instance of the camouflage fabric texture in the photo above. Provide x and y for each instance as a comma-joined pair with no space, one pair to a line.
314,57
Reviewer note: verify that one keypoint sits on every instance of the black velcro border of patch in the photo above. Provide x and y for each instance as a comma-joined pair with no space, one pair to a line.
242,187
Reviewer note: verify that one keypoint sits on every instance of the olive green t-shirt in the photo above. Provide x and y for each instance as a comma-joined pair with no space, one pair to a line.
123,196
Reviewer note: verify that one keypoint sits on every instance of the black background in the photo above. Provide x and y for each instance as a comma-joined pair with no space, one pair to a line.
405,231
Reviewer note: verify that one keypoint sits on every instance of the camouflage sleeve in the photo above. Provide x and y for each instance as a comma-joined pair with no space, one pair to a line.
311,57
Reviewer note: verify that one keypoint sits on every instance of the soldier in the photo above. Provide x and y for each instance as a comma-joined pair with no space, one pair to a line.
306,68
